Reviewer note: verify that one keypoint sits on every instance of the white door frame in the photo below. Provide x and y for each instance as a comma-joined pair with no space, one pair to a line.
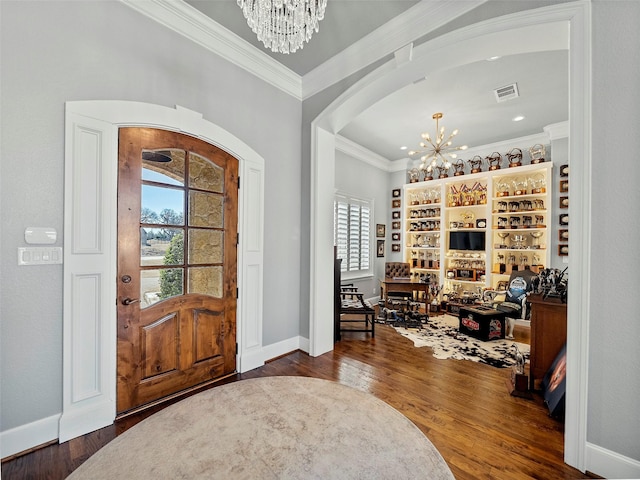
519,32
90,249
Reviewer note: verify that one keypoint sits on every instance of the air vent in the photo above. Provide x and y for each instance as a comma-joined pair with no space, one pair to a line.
507,92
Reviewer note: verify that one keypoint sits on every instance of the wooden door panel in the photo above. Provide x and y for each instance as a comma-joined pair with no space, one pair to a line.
177,273
160,346
208,335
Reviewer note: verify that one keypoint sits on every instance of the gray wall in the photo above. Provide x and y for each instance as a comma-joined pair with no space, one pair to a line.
58,51
350,173
614,382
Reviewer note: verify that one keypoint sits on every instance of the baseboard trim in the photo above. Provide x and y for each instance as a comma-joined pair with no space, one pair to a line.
282,348
609,464
26,437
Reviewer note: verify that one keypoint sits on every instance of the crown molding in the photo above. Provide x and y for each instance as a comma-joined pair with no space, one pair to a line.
416,22
187,21
557,131
504,146
361,153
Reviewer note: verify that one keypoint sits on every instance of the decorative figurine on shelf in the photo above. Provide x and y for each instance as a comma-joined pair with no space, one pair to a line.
427,172
443,171
458,168
476,164
537,153
515,157
494,160
414,175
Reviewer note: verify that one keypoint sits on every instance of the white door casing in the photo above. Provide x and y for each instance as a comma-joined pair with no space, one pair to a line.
90,240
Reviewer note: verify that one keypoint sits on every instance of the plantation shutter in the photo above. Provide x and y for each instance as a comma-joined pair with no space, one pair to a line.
352,233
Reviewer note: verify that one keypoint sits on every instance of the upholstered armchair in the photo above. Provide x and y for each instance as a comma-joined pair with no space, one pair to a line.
397,270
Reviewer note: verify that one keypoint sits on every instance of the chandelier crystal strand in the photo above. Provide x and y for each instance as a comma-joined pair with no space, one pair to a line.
283,26
440,150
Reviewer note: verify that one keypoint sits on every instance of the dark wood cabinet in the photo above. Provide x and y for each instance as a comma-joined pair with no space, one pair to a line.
548,334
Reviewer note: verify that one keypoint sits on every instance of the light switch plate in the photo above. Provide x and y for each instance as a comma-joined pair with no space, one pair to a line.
39,255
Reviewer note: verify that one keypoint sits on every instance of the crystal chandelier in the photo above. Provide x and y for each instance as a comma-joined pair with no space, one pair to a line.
437,154
283,25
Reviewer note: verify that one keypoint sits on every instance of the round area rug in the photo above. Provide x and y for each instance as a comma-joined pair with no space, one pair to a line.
271,428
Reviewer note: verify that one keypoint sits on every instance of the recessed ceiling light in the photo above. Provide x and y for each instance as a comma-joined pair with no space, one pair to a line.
518,118
403,148
493,59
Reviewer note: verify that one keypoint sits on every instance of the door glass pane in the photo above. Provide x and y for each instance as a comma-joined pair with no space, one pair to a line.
206,281
204,174
164,166
162,205
159,284
161,246
205,246
206,210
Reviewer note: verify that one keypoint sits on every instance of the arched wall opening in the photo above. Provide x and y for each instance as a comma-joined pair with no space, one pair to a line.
536,31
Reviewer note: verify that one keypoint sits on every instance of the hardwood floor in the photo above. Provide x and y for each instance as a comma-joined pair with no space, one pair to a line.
464,408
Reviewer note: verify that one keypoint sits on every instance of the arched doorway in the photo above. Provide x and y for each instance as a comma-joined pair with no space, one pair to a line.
459,47
89,322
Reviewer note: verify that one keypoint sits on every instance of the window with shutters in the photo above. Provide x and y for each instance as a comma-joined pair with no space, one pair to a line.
352,234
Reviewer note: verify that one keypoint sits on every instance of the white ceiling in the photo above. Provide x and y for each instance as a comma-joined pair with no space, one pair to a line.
464,94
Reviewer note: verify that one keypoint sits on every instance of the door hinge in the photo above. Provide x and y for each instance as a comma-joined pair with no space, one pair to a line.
237,292
238,183
237,239
236,348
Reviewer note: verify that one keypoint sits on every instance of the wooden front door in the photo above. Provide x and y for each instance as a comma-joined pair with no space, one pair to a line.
177,264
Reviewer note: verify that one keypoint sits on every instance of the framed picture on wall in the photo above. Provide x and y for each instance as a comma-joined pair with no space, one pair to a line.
395,193
564,186
395,215
395,247
395,225
563,250
395,203
380,229
564,202
395,237
380,248
563,235
564,219
564,170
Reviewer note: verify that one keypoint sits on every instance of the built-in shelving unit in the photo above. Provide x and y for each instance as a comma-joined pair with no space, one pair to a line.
469,232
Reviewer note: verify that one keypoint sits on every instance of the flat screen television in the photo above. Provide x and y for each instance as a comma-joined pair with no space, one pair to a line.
466,240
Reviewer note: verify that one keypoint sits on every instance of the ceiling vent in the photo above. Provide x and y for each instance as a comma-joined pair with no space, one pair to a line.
507,92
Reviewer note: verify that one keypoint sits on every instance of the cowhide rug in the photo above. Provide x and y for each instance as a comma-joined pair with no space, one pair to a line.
441,334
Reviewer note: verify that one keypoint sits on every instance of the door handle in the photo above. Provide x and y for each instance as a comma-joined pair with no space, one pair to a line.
129,301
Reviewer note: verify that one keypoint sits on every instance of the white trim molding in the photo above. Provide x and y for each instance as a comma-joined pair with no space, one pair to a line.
417,21
608,464
363,154
189,22
90,254
27,436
